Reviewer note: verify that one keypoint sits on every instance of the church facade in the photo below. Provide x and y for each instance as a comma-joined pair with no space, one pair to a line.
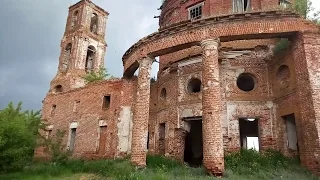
232,75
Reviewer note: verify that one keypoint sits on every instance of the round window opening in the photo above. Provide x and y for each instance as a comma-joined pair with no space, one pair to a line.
163,93
246,82
194,86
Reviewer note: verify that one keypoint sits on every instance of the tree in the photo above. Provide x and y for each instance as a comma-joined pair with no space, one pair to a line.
306,9
93,76
18,136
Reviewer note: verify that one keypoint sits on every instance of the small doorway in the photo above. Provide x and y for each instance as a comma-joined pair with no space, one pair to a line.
162,138
291,132
193,150
102,140
249,133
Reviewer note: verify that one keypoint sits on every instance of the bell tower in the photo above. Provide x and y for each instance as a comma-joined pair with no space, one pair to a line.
83,46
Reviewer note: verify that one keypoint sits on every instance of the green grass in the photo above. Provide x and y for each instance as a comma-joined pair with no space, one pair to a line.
244,165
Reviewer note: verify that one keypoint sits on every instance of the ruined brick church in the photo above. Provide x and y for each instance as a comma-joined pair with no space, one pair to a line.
232,74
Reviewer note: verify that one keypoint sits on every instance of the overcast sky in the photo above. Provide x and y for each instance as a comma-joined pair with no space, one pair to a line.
30,35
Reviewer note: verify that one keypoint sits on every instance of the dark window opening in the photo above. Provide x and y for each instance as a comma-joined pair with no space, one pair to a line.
194,85
195,12
58,88
246,82
193,151
291,131
106,102
90,58
94,23
72,139
249,133
162,137
53,110
163,93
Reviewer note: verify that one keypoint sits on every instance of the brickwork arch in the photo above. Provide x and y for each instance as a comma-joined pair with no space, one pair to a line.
257,25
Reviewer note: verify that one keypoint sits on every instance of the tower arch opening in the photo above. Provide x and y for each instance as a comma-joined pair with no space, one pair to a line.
74,19
91,52
94,23
66,58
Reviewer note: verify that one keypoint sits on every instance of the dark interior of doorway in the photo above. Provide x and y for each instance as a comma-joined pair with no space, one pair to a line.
193,151
249,127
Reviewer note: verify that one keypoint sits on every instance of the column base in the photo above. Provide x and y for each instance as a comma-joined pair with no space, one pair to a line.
139,160
215,168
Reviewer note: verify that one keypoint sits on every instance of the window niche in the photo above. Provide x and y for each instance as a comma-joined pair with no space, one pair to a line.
91,53
53,110
283,76
163,94
94,23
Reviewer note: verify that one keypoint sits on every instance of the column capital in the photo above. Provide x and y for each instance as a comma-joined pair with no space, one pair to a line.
145,58
210,43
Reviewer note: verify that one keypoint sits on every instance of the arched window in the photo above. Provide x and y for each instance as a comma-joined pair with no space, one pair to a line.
74,19
94,23
66,58
90,58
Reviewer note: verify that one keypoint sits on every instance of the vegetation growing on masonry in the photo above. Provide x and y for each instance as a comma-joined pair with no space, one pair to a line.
93,76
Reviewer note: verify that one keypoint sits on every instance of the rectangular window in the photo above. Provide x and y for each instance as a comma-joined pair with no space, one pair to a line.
72,138
195,12
53,110
241,5
106,102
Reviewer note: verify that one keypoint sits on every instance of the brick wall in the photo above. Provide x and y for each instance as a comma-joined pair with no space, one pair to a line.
85,106
174,11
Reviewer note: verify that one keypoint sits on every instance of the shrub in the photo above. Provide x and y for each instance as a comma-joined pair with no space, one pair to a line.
18,134
281,46
56,149
250,161
93,76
